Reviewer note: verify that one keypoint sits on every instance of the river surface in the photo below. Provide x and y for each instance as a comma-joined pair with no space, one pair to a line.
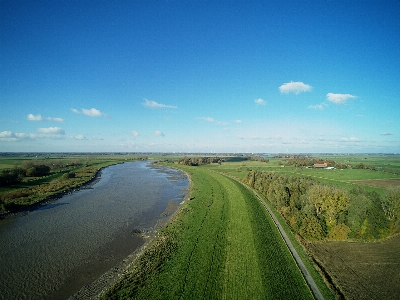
51,252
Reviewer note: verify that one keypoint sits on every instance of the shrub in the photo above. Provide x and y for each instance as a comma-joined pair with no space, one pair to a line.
40,170
69,175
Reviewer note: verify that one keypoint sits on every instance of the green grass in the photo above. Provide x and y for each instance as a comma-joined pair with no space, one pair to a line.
221,245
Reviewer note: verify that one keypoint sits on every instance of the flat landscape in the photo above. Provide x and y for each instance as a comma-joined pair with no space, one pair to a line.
223,244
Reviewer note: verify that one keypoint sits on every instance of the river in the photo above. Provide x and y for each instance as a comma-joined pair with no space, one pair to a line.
51,252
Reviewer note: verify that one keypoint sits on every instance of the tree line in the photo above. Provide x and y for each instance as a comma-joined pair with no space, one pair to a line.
15,175
319,211
196,161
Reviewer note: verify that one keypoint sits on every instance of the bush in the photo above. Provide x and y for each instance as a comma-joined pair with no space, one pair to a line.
68,175
36,171
9,178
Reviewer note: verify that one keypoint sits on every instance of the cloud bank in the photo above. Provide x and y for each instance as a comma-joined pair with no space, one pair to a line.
8,136
339,98
295,87
154,104
51,130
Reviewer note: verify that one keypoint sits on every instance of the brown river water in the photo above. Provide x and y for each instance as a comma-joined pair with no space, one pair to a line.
55,250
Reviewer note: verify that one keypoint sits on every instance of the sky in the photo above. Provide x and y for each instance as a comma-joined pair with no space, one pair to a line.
200,76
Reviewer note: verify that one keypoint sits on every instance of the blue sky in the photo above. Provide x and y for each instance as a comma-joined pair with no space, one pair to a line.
200,76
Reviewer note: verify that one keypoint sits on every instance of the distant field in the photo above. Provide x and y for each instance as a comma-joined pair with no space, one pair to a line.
344,178
362,270
379,183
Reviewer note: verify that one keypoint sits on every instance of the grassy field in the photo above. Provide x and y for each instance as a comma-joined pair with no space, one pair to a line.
221,245
344,178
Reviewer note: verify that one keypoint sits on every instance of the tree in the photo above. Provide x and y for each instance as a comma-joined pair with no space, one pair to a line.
311,229
40,170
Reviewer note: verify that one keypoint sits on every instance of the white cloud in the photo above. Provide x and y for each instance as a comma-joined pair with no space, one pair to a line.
8,136
154,104
352,139
128,145
44,133
222,123
51,130
259,101
317,107
135,133
212,120
238,121
35,118
386,133
93,112
32,117
207,119
295,87
80,137
158,133
339,98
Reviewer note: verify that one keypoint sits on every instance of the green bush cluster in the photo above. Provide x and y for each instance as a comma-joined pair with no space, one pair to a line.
69,175
319,211
196,161
13,176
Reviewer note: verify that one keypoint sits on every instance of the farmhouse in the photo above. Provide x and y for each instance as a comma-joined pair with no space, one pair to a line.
324,165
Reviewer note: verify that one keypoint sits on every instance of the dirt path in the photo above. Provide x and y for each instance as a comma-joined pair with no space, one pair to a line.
310,281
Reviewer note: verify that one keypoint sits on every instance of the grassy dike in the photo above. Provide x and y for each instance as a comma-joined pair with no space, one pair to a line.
221,244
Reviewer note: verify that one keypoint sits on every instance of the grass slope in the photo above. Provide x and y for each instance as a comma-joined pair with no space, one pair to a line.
221,245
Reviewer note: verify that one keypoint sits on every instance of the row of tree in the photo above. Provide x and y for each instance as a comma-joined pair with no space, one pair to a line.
318,211
13,176
196,161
